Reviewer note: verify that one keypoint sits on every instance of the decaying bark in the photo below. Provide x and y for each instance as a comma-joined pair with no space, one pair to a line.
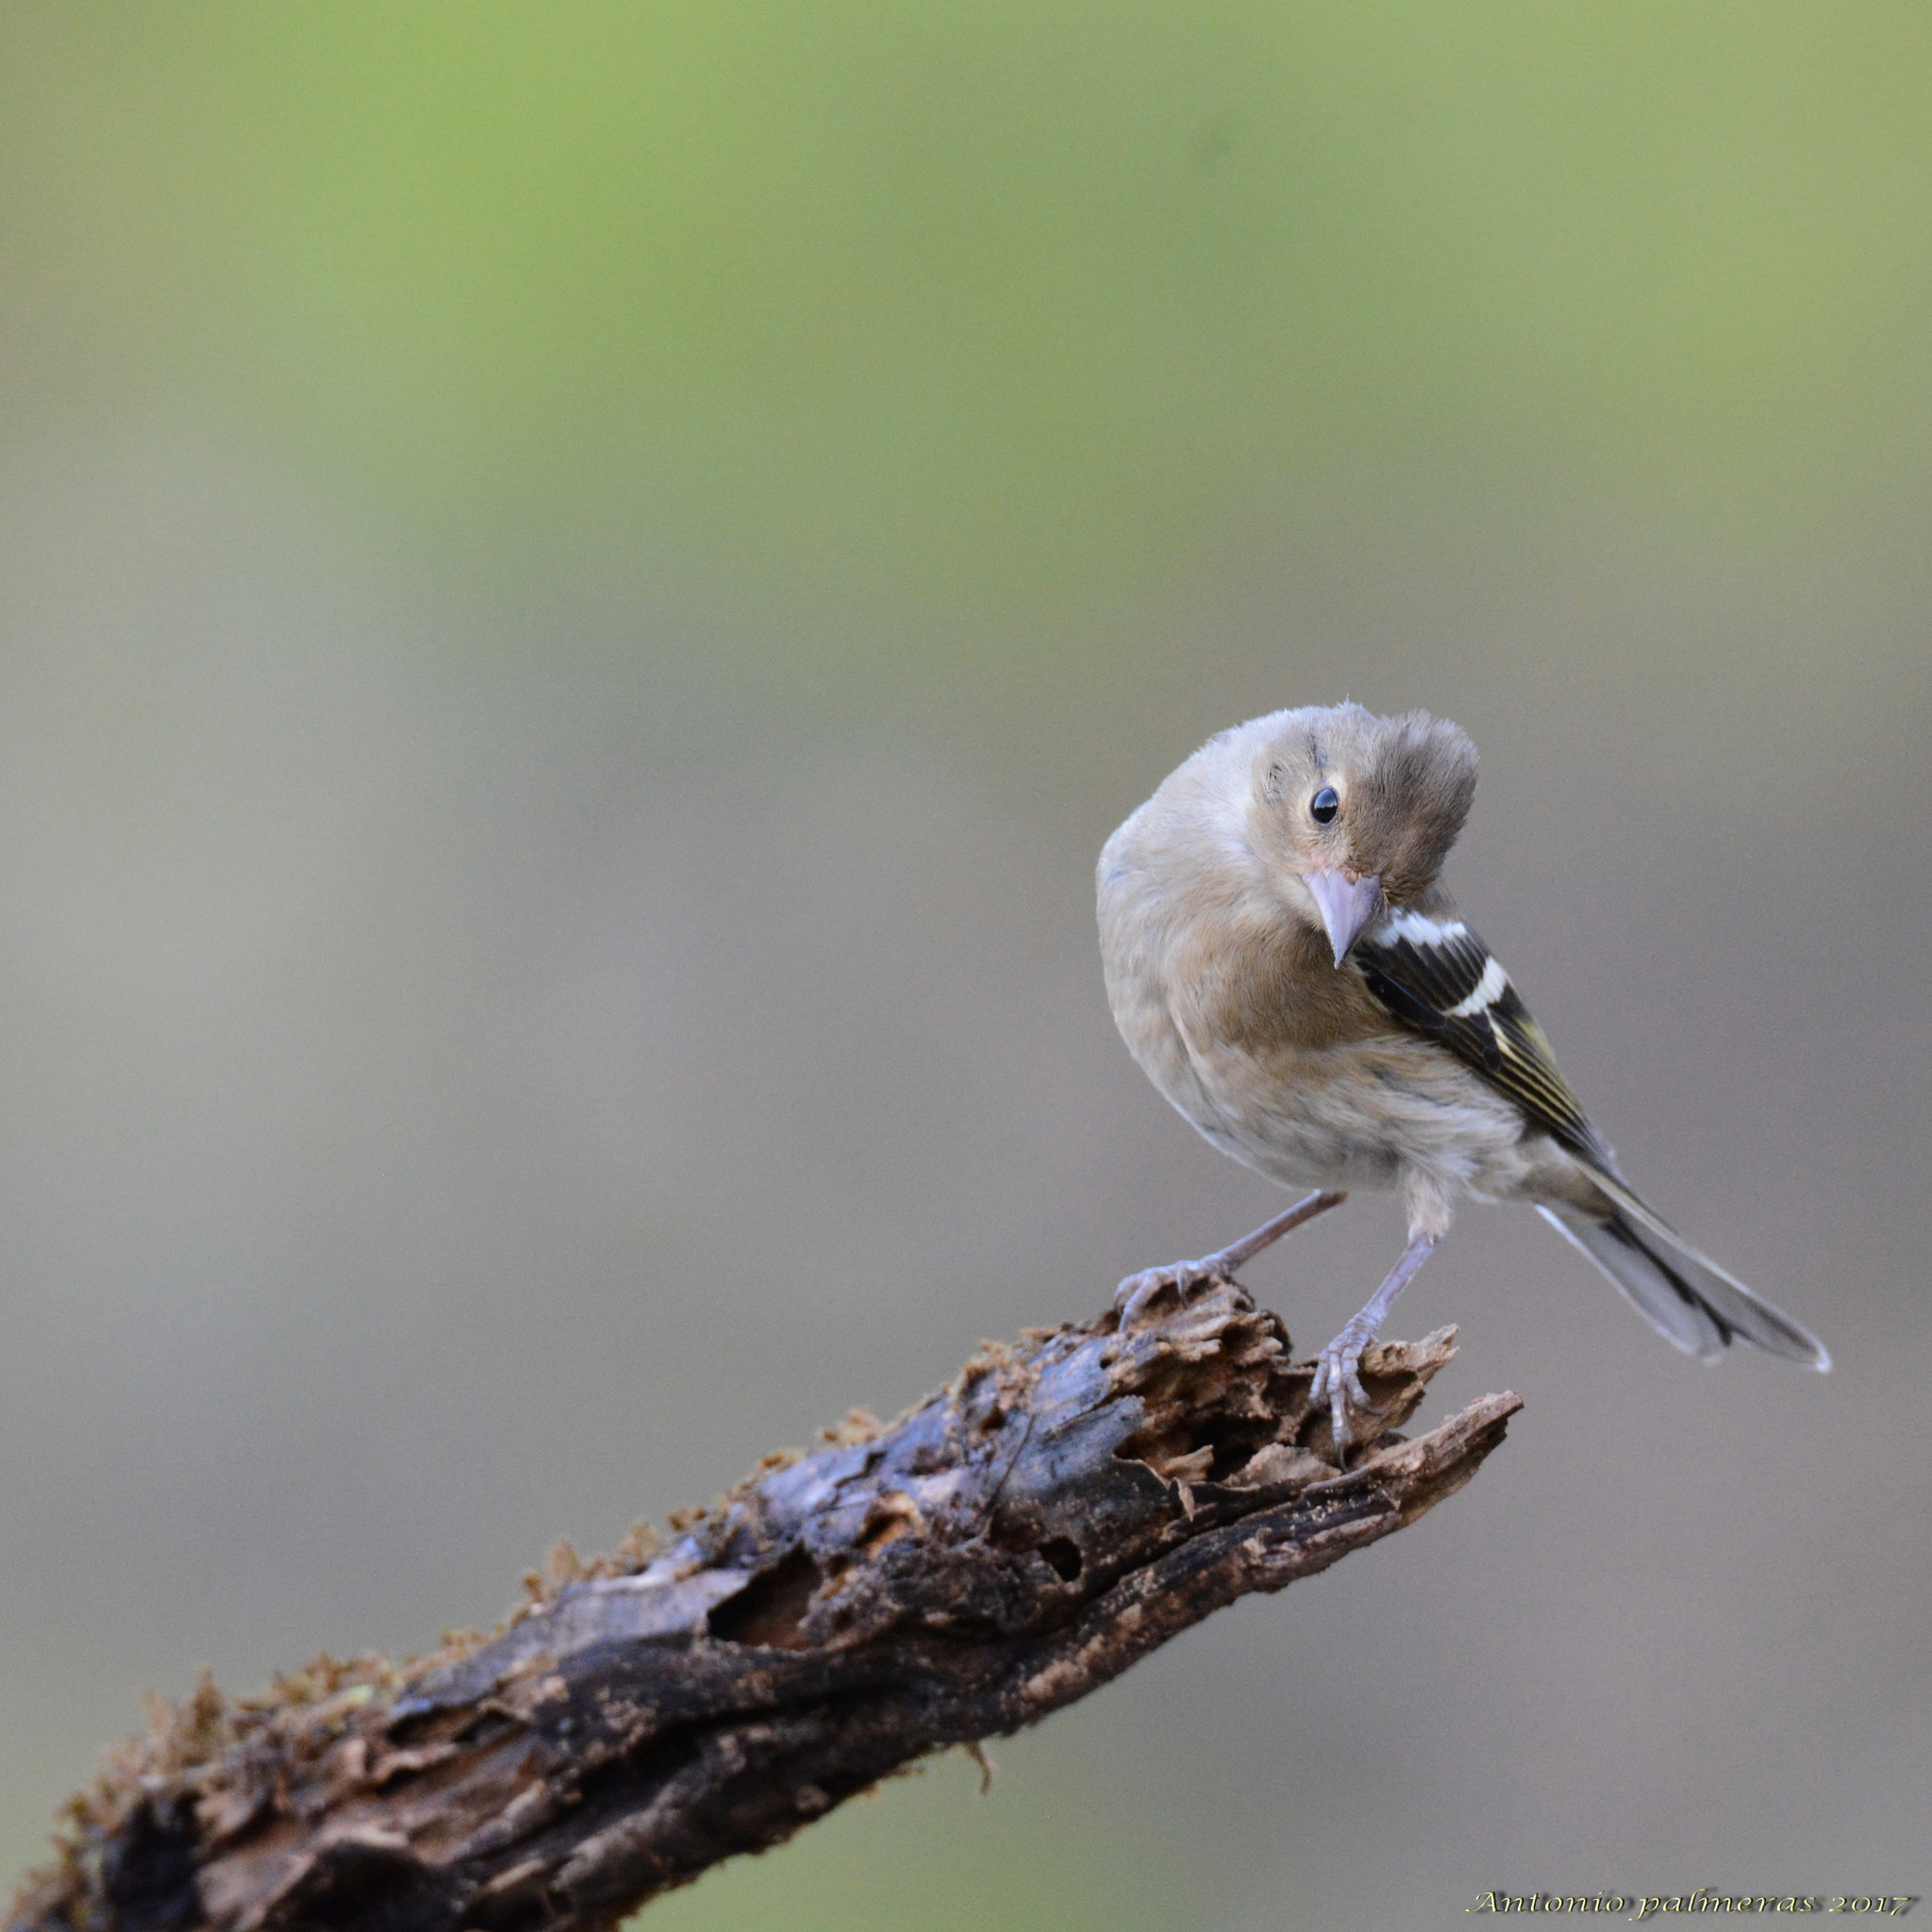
1023,1536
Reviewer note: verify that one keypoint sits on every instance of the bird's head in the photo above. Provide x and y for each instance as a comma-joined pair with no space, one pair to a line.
1352,812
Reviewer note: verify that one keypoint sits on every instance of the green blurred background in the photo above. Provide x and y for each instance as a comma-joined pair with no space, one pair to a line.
579,587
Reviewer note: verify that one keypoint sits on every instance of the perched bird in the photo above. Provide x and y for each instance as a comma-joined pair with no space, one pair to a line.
1284,963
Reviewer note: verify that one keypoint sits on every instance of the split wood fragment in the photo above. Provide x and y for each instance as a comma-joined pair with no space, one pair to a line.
1063,1508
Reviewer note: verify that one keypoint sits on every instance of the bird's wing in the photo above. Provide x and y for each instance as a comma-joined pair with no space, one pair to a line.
1431,973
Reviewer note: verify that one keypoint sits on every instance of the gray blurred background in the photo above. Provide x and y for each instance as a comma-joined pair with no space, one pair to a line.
579,587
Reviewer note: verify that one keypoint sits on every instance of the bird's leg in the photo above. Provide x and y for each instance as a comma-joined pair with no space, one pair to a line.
1336,1366
1132,1296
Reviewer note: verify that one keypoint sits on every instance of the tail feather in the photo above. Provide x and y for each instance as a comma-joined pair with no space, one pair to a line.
1684,1295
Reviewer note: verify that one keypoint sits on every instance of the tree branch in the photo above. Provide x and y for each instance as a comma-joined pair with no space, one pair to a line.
1005,1547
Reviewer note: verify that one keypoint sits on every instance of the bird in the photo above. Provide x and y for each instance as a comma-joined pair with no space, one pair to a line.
1285,964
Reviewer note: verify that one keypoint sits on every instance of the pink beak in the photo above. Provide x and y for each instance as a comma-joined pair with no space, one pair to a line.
1346,905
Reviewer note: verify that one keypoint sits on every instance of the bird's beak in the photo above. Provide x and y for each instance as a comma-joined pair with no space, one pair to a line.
1346,905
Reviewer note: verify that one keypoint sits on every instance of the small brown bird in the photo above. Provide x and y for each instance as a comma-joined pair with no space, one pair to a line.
1285,965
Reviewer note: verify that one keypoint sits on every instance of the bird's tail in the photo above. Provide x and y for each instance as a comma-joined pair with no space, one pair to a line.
1684,1295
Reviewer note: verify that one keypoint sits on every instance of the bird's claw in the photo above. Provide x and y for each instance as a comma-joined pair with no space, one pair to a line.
1135,1294
1338,1379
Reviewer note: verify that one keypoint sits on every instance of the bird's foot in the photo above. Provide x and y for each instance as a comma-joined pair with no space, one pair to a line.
1337,1378
1138,1292
1336,1367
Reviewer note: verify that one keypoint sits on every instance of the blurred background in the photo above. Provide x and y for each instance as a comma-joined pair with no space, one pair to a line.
580,586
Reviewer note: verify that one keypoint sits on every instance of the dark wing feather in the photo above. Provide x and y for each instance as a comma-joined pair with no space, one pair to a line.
1436,975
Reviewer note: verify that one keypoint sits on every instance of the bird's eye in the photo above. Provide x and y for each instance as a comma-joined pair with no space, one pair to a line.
1324,805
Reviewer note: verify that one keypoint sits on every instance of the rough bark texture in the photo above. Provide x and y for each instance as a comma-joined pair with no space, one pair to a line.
1010,1543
